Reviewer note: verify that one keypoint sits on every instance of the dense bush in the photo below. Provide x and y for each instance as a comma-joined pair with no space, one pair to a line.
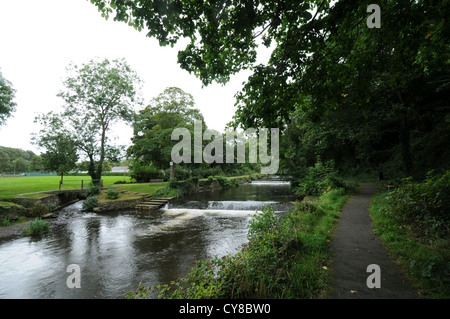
36,226
319,179
424,205
173,184
112,194
92,191
90,203
144,173
38,210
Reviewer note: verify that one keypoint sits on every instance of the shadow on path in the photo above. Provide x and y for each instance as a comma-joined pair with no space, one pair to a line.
355,247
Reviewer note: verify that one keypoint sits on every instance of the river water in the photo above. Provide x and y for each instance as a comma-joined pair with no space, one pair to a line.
116,251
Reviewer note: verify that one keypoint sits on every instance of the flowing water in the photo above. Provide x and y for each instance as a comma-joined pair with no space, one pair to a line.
116,251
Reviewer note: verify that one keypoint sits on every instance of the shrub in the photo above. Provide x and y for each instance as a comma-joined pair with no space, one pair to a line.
222,181
90,203
424,205
92,191
52,206
318,179
38,210
112,194
37,226
173,184
144,173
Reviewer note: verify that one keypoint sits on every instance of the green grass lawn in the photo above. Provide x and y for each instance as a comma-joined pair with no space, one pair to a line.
13,186
145,188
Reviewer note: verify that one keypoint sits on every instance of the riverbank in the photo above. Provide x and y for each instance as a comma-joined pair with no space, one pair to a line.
13,230
422,255
287,256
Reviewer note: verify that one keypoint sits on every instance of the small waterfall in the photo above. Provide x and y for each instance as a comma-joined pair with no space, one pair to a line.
238,206
270,183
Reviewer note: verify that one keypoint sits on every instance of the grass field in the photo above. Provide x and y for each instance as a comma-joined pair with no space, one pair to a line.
13,186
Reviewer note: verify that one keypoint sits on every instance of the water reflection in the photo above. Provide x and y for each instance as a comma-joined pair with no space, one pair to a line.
116,251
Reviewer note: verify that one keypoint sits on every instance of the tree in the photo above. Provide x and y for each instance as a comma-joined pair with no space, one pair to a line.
96,95
4,162
35,163
61,154
20,165
7,95
154,125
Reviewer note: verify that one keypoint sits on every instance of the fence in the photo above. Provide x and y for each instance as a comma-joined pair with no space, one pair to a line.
82,183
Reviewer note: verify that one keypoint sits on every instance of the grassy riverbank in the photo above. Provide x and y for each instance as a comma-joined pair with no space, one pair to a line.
286,257
412,222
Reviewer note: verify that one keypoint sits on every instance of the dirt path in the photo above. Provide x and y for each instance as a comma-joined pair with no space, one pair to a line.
355,247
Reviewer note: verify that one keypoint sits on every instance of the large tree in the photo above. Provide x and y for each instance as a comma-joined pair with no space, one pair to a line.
60,149
152,143
7,95
4,162
96,95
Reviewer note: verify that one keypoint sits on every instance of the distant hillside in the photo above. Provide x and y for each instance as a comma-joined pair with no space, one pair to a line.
15,153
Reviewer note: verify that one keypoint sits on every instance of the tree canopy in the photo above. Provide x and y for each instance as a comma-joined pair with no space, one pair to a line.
7,95
362,96
96,95
154,125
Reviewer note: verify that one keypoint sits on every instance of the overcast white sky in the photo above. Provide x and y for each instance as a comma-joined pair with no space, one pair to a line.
38,39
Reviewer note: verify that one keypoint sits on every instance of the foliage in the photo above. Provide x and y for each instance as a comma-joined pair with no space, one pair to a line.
144,173
424,205
318,179
38,210
7,95
424,257
15,159
92,191
96,95
4,162
112,194
61,153
152,143
14,153
90,203
371,99
37,226
173,183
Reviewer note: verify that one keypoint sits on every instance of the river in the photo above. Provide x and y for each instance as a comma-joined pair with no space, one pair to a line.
116,251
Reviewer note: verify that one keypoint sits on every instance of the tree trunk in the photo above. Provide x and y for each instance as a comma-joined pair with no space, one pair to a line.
102,156
92,171
172,171
405,139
